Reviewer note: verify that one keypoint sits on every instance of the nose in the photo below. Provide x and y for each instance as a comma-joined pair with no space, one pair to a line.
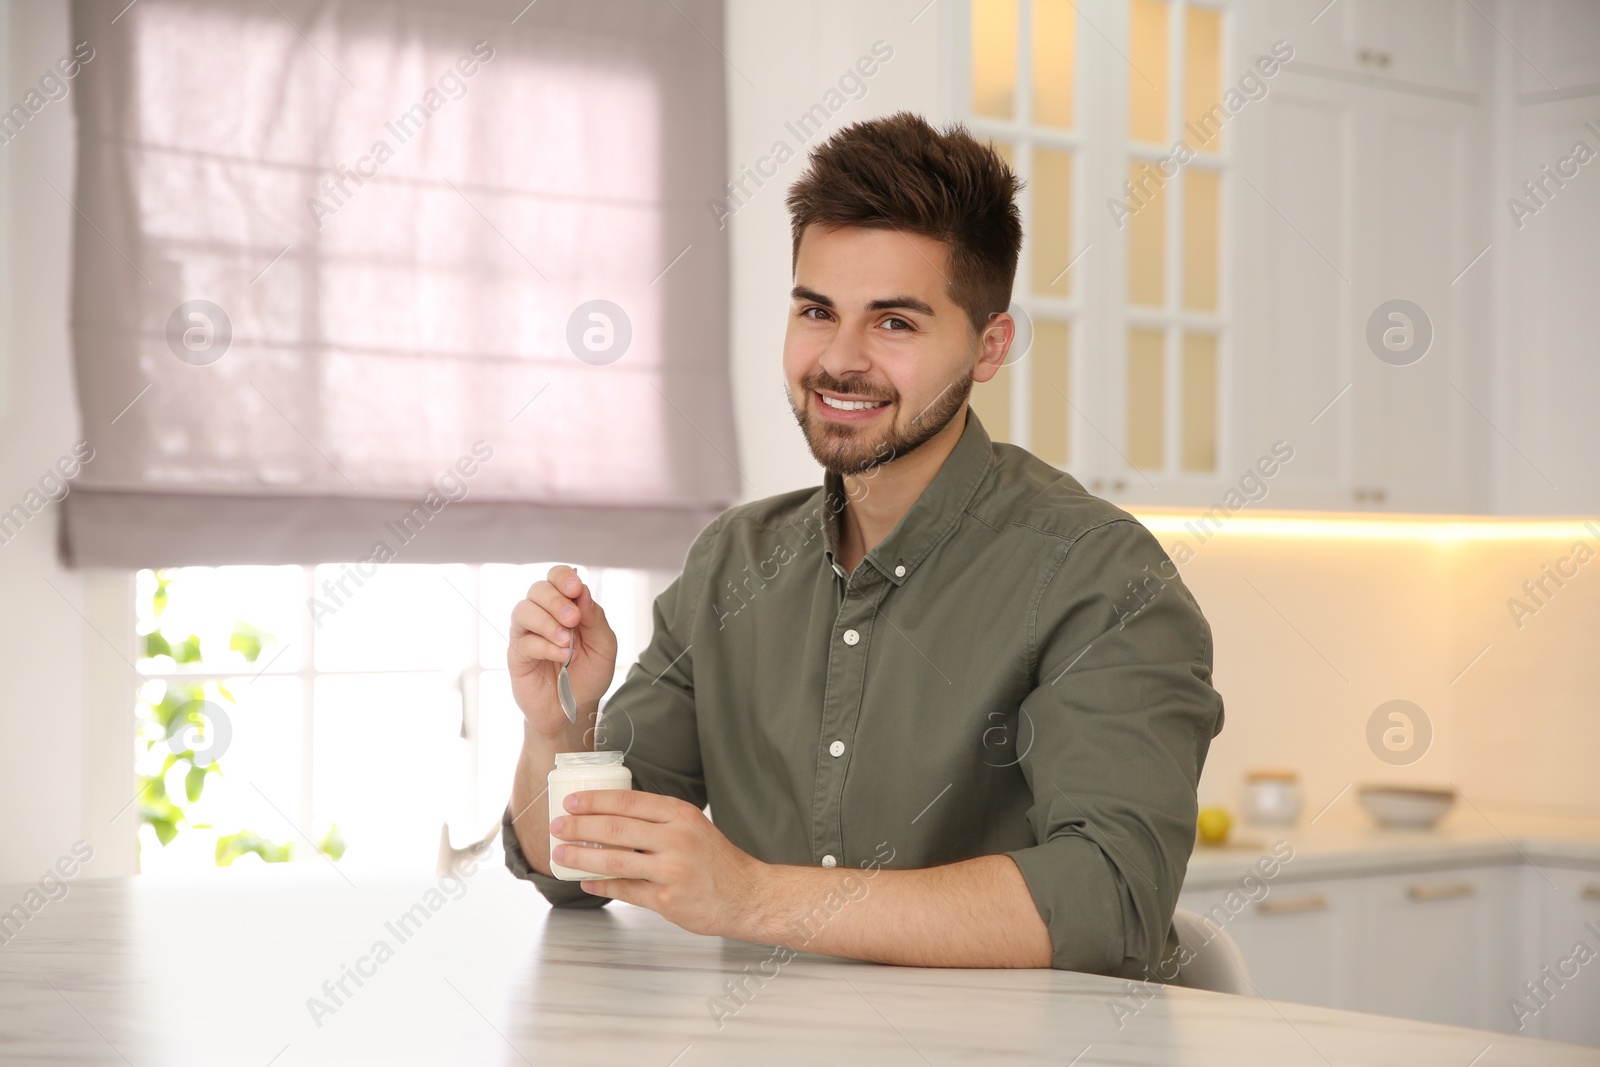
846,354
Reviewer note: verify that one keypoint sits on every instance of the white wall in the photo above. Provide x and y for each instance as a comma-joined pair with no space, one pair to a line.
66,761
783,59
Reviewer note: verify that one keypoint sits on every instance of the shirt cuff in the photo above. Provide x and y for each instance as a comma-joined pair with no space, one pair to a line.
1081,902
560,893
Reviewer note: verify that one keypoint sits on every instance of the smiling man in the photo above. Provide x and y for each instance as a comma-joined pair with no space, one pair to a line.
948,709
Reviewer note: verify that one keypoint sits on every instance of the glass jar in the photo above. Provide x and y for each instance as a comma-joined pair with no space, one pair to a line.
1271,798
575,771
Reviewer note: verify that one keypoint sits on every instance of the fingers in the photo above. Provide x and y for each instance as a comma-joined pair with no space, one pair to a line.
636,804
549,611
530,618
608,830
532,648
621,862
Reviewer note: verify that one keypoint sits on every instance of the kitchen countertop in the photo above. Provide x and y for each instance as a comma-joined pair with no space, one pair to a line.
139,971
1343,840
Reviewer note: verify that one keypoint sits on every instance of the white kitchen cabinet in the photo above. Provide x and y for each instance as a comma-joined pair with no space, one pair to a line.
1446,944
1433,943
1546,269
1433,44
1355,195
1569,915
1296,939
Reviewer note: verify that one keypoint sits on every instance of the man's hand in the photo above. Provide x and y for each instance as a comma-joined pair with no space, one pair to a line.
557,614
682,866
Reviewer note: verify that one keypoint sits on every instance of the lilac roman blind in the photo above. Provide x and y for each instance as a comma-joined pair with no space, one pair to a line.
343,270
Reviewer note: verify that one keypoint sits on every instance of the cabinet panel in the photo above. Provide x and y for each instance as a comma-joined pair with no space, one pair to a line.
1569,988
1295,939
1416,44
1294,213
1410,244
1432,944
1356,198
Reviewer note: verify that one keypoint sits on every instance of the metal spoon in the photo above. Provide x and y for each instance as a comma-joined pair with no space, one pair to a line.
569,702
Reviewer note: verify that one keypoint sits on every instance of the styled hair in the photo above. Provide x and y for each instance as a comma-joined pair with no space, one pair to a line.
898,172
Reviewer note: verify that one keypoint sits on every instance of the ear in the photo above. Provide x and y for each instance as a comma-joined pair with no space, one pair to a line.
993,345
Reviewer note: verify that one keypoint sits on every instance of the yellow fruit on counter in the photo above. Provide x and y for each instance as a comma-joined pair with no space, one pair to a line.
1214,824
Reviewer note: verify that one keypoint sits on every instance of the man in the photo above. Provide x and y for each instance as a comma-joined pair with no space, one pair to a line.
950,664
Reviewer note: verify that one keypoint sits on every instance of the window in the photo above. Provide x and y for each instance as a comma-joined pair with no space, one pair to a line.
1162,181
1174,86
327,712
1034,129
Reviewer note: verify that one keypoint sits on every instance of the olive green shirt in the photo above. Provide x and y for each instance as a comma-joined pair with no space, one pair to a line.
1017,668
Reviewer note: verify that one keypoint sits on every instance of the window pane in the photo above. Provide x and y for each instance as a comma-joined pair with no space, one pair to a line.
499,745
1051,231
1147,73
1199,402
994,57
1146,376
1048,362
992,401
1147,226
211,605
1055,25
403,617
1202,78
1201,193
389,757
258,750
1005,151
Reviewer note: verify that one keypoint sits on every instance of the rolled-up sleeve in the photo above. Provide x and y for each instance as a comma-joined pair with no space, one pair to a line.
1121,718
650,718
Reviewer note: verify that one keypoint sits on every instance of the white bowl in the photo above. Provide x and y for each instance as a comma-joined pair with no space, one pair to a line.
1405,807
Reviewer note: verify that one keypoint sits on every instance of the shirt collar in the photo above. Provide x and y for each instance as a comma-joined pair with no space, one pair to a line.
930,520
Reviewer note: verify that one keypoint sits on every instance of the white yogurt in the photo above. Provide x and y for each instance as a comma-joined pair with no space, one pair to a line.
575,771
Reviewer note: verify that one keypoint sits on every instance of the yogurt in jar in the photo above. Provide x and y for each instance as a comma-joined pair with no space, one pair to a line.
575,771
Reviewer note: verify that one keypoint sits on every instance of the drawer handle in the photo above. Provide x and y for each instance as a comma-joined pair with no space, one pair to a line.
1591,892
1314,902
1440,892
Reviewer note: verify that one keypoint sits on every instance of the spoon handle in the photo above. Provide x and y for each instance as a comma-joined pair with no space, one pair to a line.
569,701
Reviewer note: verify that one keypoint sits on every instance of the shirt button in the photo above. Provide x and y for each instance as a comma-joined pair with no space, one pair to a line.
851,637
829,861
837,748
899,572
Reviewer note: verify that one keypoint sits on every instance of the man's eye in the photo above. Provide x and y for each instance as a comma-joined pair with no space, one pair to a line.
904,325
806,313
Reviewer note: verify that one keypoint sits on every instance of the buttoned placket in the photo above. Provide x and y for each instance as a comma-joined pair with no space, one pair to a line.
848,649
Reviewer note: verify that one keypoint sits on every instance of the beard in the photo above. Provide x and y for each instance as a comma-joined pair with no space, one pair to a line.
845,449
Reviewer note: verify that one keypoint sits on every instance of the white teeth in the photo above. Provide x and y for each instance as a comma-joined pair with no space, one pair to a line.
851,405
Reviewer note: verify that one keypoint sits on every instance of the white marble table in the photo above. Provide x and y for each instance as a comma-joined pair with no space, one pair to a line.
148,972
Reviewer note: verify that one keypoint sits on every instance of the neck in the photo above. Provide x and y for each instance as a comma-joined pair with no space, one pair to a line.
880,498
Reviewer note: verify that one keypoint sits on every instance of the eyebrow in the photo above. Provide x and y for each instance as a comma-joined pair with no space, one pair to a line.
891,303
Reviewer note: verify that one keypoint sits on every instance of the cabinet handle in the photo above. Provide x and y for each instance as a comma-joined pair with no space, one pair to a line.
1591,892
1314,902
1440,892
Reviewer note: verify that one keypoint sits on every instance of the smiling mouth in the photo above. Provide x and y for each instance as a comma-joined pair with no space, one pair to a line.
851,405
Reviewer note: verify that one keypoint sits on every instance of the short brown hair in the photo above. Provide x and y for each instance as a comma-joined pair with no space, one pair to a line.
898,172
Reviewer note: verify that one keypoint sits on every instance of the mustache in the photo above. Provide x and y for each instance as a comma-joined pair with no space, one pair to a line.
821,380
